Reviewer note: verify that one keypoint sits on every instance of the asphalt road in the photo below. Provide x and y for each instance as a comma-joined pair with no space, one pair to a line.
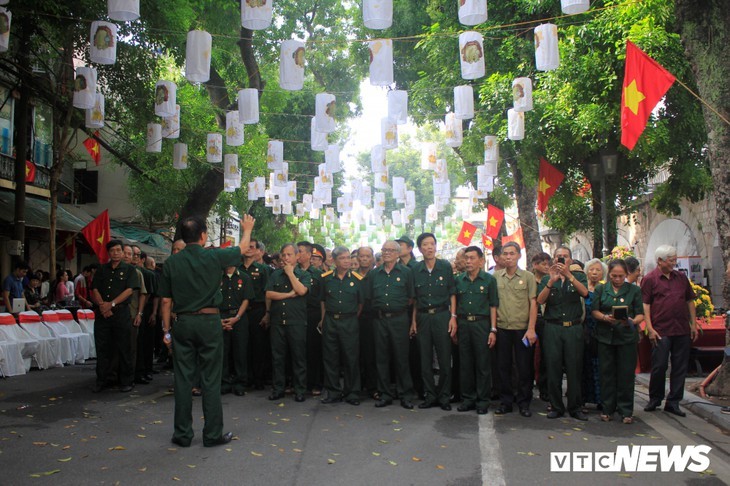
53,430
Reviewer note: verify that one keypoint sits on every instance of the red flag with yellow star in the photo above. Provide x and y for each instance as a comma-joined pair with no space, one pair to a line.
645,82
29,171
98,234
495,218
94,149
548,180
466,233
487,242
517,237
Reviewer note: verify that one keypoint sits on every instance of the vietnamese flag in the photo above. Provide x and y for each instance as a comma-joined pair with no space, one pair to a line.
495,218
487,242
516,237
98,234
466,233
549,178
645,83
94,149
70,251
29,171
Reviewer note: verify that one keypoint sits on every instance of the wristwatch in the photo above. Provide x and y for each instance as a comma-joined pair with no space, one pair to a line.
113,304
494,330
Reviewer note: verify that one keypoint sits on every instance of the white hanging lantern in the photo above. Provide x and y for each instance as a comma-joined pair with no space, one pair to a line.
165,98
95,114
281,176
300,210
464,102
454,131
103,48
324,113
547,55
332,159
318,140
274,154
492,168
397,217
411,201
325,178
291,65
5,19
472,12
256,14
570,7
398,106
515,125
230,166
377,159
234,129
377,14
471,55
84,87
522,94
180,156
291,190
123,10
399,189
256,188
441,173
248,106
171,125
381,62
154,137
214,150
380,180
388,134
197,56
491,149
428,156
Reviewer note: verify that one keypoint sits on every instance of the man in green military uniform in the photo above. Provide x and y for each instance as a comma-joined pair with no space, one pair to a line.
390,289
434,320
192,279
341,305
237,290
407,258
111,288
476,309
368,369
562,291
314,317
287,290
259,353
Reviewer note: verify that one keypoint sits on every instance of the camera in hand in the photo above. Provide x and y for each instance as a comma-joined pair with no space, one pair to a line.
620,312
561,260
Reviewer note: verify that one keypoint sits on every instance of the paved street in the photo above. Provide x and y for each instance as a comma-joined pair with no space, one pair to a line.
53,430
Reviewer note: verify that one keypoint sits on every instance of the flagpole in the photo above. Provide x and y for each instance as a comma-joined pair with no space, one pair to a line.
703,101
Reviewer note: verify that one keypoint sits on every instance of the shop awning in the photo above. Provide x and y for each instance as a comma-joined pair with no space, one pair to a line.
37,213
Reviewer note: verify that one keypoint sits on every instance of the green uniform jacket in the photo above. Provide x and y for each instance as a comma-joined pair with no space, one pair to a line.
259,276
314,296
294,309
476,297
235,289
390,292
434,288
192,277
564,303
111,282
342,296
604,298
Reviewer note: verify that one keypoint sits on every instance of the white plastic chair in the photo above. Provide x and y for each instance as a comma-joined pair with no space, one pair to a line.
86,318
69,344
11,358
66,319
49,346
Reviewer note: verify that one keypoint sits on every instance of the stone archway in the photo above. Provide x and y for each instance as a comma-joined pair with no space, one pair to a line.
673,232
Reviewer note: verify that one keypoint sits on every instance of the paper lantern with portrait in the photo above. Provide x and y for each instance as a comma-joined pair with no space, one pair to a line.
291,65
547,55
318,140
399,189
453,131
103,49
471,55
6,17
464,102
571,7
95,114
522,94
274,154
256,14
491,148
154,137
398,106
428,155
248,106
197,56
377,159
515,125
230,166
472,12
123,10
214,148
234,129
171,125
377,14
332,159
381,62
324,112
180,156
388,134
84,87
165,98
380,180
492,168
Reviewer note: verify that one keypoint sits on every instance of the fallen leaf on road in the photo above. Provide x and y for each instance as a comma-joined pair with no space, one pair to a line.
585,438
395,422
277,431
330,461
65,447
142,469
392,463
40,444
191,466
271,423
64,460
281,449
175,478
568,433
257,454
416,459
228,449
46,473
281,405
157,422
382,441
376,454
641,435
624,475
397,430
297,450
141,436
358,415
118,448
551,436
285,420
439,466
577,428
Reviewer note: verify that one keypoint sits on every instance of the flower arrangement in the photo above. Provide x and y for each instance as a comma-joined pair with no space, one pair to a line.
703,303
618,252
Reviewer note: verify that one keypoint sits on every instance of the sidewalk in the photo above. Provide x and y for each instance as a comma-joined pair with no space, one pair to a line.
699,406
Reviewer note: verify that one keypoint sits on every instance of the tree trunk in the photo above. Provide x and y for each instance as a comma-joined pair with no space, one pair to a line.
201,198
21,138
526,196
704,28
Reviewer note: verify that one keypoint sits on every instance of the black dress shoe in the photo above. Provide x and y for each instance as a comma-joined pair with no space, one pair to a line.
482,411
329,400
525,412
446,407
141,381
652,406
276,396
579,415
424,405
553,414
180,442
239,393
299,398
465,407
222,440
147,376
407,404
353,401
455,398
383,403
503,410
97,388
125,388
675,410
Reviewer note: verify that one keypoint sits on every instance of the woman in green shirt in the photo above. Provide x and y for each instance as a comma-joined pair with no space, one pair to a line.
618,310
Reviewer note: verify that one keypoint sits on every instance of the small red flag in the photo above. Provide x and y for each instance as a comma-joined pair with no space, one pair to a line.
29,171
94,149
549,178
98,234
516,237
70,248
645,83
495,218
466,233
487,242
226,244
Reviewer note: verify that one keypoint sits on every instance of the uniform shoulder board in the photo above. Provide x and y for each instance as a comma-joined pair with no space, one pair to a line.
328,273
358,276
